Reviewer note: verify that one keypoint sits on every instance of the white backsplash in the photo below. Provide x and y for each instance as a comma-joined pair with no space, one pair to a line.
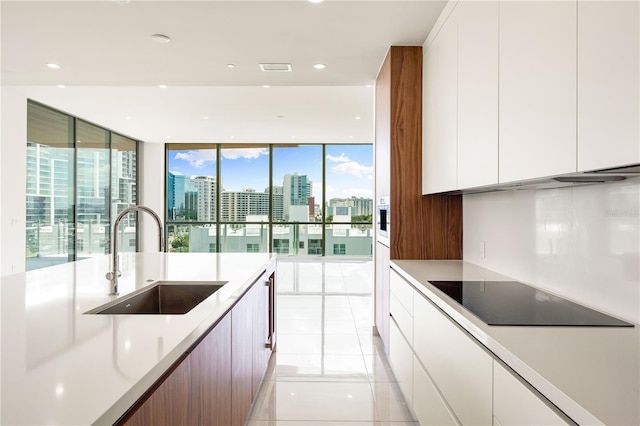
582,243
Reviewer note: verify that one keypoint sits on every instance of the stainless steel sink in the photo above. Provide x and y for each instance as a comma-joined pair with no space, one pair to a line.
161,298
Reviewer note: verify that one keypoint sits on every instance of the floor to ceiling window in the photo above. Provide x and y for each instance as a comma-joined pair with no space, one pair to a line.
79,177
287,199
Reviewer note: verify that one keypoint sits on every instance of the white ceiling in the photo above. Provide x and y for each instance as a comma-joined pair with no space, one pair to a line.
112,69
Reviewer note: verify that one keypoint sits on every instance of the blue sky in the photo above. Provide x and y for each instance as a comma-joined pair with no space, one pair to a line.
349,167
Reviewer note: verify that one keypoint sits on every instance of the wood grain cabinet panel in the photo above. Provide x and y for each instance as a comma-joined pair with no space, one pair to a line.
242,356
169,404
211,377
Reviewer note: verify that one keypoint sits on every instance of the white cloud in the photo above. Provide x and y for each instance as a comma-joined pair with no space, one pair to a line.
248,153
347,166
342,158
199,158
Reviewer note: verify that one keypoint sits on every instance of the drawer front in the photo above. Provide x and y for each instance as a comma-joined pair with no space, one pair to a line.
516,403
428,406
401,360
403,291
459,367
403,319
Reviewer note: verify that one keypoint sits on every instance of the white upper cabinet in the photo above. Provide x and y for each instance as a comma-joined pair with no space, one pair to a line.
440,103
537,89
608,88
477,93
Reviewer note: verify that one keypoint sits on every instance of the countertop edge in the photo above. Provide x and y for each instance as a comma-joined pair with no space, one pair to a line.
565,403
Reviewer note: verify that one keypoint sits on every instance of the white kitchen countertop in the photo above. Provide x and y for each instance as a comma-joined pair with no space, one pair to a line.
61,366
590,373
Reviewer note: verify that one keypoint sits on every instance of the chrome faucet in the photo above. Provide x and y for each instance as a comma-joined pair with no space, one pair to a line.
115,272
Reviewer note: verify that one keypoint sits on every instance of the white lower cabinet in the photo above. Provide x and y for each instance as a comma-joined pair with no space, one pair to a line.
401,360
428,405
461,369
448,378
515,404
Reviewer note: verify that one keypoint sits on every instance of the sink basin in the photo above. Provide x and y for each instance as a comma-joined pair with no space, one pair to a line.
161,298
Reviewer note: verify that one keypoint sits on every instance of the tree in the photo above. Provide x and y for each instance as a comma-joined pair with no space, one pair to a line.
181,243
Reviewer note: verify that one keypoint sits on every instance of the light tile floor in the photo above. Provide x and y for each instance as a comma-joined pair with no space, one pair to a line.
328,368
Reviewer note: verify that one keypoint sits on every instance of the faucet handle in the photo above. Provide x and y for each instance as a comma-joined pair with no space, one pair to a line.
110,275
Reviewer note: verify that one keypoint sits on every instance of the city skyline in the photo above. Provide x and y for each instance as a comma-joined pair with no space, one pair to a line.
349,167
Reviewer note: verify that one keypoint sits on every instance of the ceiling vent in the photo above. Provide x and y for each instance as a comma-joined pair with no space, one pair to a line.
276,67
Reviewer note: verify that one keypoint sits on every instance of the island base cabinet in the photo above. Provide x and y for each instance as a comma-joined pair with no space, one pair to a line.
168,405
211,377
428,406
514,403
215,383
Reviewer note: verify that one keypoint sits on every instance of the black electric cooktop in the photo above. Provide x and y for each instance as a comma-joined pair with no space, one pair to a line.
514,303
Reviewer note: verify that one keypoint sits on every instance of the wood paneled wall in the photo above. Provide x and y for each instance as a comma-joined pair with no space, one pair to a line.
422,227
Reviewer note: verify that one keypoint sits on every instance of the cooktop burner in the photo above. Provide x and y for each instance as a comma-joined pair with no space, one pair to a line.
514,303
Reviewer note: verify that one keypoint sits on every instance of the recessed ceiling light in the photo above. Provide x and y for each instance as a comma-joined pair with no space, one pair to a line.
163,86
293,137
205,118
319,66
369,85
121,1
266,86
279,116
53,66
316,1
160,38
231,137
60,86
357,118
168,136
127,118
231,65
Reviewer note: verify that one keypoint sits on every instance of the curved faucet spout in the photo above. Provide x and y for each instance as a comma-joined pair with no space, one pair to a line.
115,272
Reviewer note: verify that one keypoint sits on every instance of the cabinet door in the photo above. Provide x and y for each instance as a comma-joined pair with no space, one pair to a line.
401,361
608,84
462,371
211,376
439,125
537,89
169,403
242,359
382,294
515,404
428,405
477,93
261,295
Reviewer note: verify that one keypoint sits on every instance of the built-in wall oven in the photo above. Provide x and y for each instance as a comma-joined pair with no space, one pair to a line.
383,219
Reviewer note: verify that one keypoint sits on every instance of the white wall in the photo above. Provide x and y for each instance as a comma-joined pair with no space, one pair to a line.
151,192
13,164
582,243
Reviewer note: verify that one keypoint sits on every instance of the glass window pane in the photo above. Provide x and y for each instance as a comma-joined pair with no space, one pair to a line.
349,182
244,238
191,183
245,183
93,220
185,238
50,192
297,239
297,178
355,239
123,188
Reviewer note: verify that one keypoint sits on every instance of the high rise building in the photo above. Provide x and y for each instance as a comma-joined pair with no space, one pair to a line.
358,206
296,191
206,188
182,202
237,205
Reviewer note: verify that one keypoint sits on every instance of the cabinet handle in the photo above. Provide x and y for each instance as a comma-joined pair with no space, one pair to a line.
267,283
